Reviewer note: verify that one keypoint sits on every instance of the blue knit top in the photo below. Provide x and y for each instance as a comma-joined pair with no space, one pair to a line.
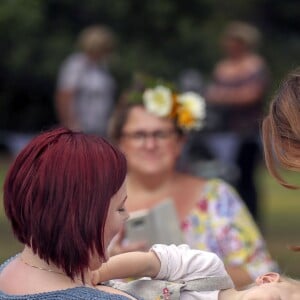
81,292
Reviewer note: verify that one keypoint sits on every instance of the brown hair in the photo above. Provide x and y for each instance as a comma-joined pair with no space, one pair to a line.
130,98
281,129
118,120
120,116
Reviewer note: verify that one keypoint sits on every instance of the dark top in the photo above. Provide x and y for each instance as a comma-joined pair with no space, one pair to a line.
242,119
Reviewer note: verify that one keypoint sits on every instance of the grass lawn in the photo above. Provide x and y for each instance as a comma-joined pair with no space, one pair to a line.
8,244
281,215
280,210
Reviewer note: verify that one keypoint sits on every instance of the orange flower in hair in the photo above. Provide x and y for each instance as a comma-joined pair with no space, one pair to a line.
187,109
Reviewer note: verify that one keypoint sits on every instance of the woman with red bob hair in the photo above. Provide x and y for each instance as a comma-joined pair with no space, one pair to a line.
65,198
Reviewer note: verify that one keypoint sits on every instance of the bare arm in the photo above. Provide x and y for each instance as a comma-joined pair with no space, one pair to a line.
131,264
239,275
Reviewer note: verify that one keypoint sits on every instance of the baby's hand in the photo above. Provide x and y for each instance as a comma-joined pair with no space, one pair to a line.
96,276
104,273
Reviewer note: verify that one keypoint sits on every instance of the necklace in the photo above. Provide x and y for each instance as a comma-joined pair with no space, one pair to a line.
48,270
40,268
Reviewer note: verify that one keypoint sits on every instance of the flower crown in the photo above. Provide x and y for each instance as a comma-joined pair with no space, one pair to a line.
188,109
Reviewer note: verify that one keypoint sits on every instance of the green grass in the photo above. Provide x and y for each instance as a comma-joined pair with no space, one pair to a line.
280,210
8,244
281,215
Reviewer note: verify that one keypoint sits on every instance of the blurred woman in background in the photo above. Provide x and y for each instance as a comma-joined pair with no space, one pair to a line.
149,126
86,89
235,95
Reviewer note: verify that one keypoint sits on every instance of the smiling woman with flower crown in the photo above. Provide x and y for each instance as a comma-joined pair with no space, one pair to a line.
149,126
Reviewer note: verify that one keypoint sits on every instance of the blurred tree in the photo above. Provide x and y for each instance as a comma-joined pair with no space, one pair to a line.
161,37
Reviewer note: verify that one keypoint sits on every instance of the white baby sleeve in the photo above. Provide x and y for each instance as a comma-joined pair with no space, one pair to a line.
183,263
180,263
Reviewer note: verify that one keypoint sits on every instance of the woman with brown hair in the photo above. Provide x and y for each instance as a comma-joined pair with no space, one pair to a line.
281,129
150,127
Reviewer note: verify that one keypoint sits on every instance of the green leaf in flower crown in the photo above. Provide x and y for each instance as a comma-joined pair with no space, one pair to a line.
154,82
134,97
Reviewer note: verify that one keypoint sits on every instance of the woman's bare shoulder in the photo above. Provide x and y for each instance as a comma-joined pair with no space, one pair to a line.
12,277
189,187
191,180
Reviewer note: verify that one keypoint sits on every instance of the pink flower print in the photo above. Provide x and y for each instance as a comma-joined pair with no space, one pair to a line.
166,294
202,205
185,225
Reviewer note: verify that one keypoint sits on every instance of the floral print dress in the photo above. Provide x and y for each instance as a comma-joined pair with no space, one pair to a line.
221,223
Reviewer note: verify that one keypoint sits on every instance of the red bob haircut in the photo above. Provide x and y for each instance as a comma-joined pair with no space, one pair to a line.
57,194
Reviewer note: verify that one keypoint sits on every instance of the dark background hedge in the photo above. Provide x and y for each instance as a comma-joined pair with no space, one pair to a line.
161,37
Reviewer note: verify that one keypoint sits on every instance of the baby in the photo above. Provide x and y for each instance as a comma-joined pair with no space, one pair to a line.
179,272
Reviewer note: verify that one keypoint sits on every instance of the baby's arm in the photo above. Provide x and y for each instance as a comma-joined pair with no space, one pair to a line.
163,262
131,264
183,263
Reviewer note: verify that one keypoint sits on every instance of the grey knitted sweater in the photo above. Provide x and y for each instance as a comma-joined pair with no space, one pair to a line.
67,294
184,274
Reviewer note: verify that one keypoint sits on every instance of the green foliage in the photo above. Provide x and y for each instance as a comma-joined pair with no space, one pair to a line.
159,37
142,81
20,22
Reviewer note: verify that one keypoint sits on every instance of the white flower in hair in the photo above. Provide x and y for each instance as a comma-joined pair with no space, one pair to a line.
191,112
158,101
194,103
